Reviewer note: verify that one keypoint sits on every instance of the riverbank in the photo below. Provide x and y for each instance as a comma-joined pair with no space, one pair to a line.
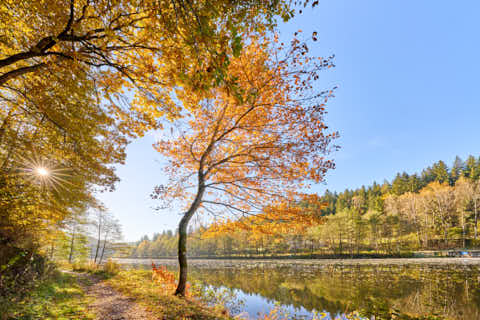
88,293
450,253
158,299
432,288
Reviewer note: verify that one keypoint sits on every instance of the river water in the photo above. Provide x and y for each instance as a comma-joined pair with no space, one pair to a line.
447,287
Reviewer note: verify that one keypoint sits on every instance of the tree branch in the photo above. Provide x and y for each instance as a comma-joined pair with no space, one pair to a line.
18,72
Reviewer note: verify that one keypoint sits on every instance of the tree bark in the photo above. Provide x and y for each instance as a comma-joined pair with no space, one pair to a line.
103,250
104,245
475,227
52,249
182,238
72,242
340,243
98,241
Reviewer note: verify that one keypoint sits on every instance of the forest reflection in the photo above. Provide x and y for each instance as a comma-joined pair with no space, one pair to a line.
450,291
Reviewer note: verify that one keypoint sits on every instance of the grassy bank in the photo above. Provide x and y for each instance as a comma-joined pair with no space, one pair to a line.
158,298
58,296
156,295
65,295
62,296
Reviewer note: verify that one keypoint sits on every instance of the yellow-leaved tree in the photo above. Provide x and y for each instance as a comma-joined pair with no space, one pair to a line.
238,152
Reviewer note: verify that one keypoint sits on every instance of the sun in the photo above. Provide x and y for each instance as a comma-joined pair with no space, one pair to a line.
42,171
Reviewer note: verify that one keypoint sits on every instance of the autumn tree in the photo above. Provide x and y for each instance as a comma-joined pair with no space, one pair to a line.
373,219
239,152
439,203
284,222
467,195
75,230
103,226
408,207
130,53
112,234
145,43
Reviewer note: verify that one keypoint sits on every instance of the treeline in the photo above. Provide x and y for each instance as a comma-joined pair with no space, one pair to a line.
436,209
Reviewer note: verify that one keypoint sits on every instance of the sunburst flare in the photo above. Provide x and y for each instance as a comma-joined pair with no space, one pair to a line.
44,172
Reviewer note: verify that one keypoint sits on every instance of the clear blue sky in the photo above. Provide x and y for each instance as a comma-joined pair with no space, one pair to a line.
409,91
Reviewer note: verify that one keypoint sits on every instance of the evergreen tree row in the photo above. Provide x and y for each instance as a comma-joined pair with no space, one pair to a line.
372,196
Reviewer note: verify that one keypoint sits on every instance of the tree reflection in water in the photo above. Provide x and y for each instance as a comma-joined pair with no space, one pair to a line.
444,288
451,291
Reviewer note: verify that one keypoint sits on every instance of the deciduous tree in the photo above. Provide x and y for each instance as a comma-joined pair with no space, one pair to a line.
239,152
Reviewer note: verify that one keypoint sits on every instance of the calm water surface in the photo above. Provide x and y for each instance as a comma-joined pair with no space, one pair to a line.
448,287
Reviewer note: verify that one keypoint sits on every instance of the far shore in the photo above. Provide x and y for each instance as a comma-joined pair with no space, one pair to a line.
227,262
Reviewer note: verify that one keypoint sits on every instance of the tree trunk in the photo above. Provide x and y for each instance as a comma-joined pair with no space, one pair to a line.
182,256
72,242
98,243
476,219
182,238
340,244
426,232
103,251
52,249
104,245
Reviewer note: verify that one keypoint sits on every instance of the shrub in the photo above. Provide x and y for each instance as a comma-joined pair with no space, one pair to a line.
82,266
20,269
166,280
111,267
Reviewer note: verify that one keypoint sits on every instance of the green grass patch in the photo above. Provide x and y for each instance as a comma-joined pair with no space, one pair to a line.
58,297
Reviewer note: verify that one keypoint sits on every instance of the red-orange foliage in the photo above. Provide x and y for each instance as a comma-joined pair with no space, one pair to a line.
165,279
280,219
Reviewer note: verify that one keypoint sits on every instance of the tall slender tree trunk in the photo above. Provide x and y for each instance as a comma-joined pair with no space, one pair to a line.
475,227
52,249
98,242
426,232
72,242
182,237
103,250
340,243
104,245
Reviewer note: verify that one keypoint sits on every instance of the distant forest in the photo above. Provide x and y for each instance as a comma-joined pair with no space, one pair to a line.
432,210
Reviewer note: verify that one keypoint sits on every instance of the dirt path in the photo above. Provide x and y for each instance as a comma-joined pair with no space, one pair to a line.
109,304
